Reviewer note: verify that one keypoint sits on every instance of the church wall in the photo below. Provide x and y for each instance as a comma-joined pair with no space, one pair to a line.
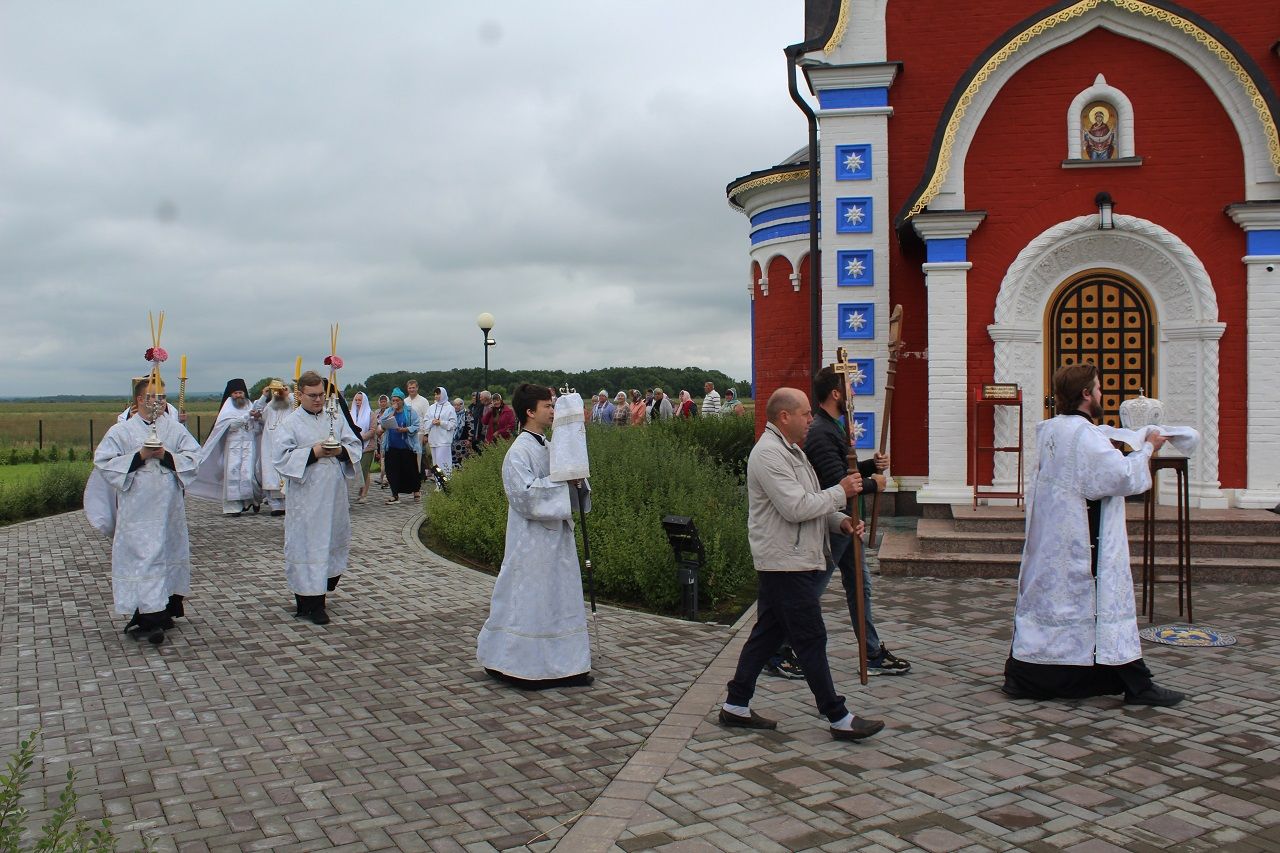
1192,168
781,334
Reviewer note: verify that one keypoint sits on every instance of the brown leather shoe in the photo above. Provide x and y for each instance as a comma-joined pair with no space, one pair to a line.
755,721
859,729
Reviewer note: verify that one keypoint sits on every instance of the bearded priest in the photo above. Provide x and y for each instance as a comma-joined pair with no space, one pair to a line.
150,549
229,457
273,407
1075,631
317,528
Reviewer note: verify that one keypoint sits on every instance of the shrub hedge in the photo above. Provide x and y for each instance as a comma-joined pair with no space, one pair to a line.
638,475
56,487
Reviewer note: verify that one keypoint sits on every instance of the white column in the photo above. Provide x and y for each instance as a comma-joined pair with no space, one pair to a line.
946,275
947,482
1262,370
1261,224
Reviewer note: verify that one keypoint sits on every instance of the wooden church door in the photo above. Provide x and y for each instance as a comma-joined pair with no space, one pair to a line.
1104,317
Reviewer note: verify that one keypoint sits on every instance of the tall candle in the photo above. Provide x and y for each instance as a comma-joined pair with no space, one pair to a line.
297,369
182,369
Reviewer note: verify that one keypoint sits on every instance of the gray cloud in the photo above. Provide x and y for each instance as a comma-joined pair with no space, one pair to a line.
260,171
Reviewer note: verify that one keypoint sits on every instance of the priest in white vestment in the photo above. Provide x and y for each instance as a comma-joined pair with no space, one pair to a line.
440,423
133,407
150,550
1075,629
317,528
536,634
229,456
273,407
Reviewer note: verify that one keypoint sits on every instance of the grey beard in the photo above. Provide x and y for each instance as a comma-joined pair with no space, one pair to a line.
279,402
239,404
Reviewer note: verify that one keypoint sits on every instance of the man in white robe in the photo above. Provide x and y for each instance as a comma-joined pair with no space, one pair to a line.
317,528
1075,630
150,550
536,634
273,407
441,423
229,456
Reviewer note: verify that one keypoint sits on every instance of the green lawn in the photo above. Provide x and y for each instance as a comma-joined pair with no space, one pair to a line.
12,474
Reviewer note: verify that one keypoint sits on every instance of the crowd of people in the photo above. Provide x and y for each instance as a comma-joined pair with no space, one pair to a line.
1075,632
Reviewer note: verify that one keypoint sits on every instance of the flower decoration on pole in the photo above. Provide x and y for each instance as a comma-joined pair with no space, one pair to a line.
156,356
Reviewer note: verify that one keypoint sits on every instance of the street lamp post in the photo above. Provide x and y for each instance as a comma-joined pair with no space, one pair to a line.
485,322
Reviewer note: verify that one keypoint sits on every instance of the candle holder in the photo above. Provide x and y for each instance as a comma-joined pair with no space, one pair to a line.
331,443
154,408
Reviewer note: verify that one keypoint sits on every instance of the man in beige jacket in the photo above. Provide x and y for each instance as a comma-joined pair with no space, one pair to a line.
789,518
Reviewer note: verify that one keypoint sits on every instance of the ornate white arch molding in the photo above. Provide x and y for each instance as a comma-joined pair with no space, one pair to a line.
1132,19
1186,313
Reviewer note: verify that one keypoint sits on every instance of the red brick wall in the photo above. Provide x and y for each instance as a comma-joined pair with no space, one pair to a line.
781,335
1192,168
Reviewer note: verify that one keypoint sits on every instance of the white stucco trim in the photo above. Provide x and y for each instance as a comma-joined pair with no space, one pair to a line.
1186,315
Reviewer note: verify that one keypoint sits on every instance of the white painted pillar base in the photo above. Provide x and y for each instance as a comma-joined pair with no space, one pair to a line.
948,286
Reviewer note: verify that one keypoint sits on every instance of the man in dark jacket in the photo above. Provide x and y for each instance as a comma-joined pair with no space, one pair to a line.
827,447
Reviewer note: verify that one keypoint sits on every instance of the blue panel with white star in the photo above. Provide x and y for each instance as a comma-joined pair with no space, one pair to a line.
853,162
864,430
855,268
853,215
857,321
862,382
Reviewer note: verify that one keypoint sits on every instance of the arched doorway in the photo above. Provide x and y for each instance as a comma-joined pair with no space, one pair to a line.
1104,317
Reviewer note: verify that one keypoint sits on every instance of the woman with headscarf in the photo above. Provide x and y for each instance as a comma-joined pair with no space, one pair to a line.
621,409
380,438
685,407
439,425
461,433
362,417
639,409
400,457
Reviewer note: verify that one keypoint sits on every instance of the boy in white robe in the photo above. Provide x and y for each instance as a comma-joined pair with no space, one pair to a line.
150,549
536,634
1075,630
317,528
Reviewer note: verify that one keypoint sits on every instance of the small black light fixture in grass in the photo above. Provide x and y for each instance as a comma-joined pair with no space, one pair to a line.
682,534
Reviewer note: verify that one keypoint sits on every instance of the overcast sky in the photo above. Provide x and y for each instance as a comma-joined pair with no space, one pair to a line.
260,170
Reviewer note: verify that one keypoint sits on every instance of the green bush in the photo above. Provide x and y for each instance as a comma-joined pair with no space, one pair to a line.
727,440
54,454
65,831
637,477
58,487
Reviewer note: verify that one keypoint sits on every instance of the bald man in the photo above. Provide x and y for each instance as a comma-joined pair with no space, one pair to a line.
789,517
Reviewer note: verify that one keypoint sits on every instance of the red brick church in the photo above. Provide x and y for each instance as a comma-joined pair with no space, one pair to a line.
1035,185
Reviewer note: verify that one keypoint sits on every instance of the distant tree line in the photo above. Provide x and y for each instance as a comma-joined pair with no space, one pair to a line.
462,381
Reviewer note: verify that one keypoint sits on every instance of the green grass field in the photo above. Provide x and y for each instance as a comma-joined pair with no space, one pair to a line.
70,424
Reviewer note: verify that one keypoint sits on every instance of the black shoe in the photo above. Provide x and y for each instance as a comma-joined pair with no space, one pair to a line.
1160,697
1013,692
318,616
256,507
233,514
754,721
276,512
786,667
886,664
333,582
175,608
153,635
859,729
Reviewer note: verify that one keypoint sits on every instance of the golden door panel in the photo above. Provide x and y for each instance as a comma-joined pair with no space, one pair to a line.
1104,318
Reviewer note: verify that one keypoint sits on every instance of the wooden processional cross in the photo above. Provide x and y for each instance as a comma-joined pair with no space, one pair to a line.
850,370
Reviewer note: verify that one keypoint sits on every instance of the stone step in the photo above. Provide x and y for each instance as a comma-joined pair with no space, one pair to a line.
940,536
1204,522
902,555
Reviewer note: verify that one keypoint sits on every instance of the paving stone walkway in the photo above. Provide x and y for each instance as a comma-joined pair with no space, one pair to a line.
250,730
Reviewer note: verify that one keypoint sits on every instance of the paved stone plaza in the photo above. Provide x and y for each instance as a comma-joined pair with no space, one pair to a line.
251,730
